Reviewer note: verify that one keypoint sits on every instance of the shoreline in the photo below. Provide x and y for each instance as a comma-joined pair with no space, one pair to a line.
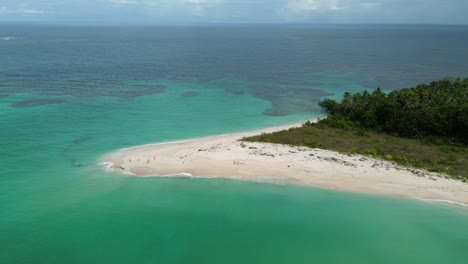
225,156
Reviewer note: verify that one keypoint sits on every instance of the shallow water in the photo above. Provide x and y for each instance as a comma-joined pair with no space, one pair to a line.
83,92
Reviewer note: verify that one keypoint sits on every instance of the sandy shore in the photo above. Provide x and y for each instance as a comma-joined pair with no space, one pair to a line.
227,157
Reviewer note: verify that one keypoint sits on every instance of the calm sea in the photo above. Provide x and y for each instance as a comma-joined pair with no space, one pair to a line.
69,94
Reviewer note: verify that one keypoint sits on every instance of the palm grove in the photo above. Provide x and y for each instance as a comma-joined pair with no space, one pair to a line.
423,127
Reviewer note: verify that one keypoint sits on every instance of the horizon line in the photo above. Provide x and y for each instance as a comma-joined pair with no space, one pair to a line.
96,23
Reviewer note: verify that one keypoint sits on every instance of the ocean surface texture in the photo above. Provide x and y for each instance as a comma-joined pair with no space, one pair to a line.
68,95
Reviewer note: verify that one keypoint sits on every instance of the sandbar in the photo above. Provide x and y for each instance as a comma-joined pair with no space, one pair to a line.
225,156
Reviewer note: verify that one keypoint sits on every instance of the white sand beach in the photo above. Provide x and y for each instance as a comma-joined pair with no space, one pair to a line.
226,157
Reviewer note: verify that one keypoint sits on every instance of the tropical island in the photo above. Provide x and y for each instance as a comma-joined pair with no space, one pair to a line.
425,127
406,143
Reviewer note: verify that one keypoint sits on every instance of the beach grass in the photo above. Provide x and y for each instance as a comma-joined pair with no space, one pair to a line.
447,159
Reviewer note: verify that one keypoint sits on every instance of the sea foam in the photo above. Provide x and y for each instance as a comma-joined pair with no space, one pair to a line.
157,144
107,165
7,38
441,201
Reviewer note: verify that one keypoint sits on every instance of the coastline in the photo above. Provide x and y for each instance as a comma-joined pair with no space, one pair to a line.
224,156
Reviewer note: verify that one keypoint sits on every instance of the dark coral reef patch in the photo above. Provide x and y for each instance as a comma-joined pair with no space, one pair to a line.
285,101
190,94
37,102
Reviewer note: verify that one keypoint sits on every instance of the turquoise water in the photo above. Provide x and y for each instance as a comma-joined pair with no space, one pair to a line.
69,96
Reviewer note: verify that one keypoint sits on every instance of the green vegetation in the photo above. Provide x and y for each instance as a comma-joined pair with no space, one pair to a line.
424,127
438,111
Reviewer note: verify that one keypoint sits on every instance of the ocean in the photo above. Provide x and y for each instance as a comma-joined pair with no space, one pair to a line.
70,94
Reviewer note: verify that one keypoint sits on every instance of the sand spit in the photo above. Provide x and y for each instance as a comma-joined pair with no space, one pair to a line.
226,157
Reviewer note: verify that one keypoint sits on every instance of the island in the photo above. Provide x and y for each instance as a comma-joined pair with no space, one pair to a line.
405,143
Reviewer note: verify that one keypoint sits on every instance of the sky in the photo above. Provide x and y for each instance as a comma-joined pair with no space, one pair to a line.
236,11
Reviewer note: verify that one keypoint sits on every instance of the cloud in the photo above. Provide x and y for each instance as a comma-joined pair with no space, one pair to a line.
20,11
309,6
168,8
337,11
200,7
136,2
124,2
238,11
370,5
165,3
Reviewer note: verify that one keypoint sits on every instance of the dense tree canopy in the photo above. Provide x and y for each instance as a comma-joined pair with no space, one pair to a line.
437,110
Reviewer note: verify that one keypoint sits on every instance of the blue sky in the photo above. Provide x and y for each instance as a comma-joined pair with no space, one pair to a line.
236,11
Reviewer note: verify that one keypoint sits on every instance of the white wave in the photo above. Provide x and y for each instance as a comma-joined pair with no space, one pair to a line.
129,173
7,38
174,142
184,175
441,201
264,179
157,144
107,165
177,175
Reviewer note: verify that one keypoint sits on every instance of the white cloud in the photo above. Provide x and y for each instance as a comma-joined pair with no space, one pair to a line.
308,6
172,7
20,11
199,7
370,5
136,2
128,2
335,5
165,2
124,2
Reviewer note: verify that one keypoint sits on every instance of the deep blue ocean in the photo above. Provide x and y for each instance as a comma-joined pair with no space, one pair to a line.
70,94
